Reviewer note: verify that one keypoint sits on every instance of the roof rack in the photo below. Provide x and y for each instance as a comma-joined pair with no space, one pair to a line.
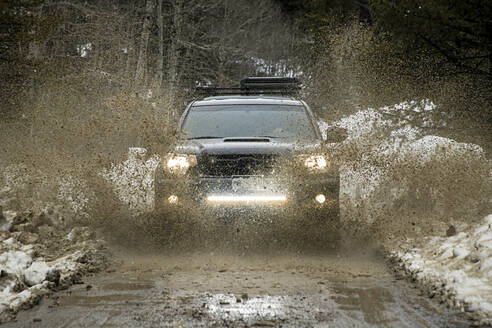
257,86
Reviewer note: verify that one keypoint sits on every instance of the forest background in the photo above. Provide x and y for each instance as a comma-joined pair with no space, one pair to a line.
88,79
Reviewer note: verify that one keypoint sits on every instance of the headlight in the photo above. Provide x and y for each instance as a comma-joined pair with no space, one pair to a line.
179,163
315,162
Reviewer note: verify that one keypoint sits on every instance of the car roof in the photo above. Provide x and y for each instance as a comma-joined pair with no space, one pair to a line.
248,100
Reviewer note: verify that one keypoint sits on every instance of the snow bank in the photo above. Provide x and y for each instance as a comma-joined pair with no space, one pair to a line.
456,269
37,255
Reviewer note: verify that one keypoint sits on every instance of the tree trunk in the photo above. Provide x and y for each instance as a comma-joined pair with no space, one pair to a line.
160,60
130,56
173,60
36,46
221,53
144,43
364,12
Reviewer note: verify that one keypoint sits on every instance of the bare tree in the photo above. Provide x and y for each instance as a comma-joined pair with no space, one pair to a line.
217,41
173,52
144,43
222,40
160,58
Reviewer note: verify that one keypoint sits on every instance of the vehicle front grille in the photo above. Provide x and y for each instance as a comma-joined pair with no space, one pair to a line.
237,164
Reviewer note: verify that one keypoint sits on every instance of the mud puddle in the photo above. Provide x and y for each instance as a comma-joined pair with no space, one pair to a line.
203,290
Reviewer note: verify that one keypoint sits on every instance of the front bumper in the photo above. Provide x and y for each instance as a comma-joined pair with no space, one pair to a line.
209,192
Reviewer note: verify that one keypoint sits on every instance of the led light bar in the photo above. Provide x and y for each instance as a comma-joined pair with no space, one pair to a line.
248,199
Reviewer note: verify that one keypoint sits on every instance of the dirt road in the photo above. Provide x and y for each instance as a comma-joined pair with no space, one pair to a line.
288,290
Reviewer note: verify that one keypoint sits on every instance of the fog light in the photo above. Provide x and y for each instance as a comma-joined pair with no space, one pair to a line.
173,199
320,198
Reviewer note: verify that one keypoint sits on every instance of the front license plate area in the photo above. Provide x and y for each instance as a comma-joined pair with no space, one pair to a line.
252,184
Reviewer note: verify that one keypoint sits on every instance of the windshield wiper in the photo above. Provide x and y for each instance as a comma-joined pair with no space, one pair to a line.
266,137
205,137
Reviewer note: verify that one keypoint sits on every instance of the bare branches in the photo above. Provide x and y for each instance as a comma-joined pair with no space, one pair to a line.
458,61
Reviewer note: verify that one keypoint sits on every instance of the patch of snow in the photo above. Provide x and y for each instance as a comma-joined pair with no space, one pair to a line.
453,265
6,218
363,123
36,273
17,260
14,261
26,277
488,220
460,253
439,148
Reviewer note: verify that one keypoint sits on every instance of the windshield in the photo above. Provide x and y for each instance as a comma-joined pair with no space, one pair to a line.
274,121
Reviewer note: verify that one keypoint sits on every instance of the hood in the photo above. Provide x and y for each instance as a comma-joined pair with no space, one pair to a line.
228,146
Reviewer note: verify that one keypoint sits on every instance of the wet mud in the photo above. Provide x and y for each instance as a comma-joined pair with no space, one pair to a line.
239,234
220,289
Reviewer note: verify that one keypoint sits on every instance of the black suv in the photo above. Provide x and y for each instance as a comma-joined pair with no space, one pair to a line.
249,148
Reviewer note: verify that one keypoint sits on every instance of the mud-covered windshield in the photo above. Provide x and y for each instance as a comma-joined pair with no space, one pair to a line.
275,121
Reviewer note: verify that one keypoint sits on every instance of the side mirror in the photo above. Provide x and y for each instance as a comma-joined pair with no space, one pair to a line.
335,134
